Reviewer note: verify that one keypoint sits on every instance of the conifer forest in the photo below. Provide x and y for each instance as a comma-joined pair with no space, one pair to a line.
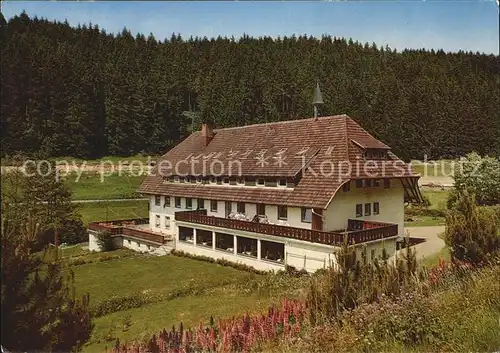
82,92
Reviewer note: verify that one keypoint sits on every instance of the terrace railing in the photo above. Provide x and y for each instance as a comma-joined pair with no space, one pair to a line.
382,230
128,227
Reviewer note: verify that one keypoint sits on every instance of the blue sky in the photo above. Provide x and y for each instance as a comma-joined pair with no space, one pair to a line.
449,25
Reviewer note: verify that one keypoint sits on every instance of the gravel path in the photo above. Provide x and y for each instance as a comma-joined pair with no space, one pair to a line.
432,244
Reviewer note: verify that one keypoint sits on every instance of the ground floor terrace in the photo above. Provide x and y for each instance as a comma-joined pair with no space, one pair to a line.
271,247
260,245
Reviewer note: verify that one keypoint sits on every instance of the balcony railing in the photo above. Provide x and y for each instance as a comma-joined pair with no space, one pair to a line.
128,227
374,231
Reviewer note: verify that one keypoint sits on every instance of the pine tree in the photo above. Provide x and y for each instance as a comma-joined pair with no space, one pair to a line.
39,308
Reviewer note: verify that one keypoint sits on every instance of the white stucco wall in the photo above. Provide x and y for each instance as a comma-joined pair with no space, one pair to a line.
138,245
309,256
161,211
294,213
93,241
93,245
343,206
377,246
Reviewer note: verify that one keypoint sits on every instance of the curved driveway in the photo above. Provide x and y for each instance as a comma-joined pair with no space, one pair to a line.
432,244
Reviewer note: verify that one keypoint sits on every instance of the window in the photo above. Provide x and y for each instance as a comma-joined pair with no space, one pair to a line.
240,181
201,204
192,180
376,183
282,212
359,183
373,254
368,209
167,222
213,205
176,179
213,180
346,187
375,154
261,182
282,182
241,207
183,180
199,180
189,202
359,210
157,200
225,180
306,215
387,183
157,221
261,209
376,208
368,183
178,202
167,201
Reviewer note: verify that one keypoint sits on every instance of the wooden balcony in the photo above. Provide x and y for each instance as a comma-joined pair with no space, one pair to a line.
128,227
366,231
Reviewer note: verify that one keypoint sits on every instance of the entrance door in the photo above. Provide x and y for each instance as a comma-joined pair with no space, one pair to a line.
227,206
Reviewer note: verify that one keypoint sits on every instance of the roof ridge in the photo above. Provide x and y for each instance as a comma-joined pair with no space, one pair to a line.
347,138
363,130
283,122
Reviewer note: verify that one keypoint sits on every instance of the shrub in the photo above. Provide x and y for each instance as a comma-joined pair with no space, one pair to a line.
118,303
478,175
292,271
408,319
354,282
73,231
83,259
105,241
472,231
222,262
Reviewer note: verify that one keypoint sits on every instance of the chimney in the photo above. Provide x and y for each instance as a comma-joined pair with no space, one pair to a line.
207,132
318,99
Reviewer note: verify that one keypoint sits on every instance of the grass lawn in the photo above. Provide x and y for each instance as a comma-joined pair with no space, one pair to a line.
219,293
74,250
162,274
90,187
221,302
426,221
444,167
99,211
438,202
437,197
113,159
433,260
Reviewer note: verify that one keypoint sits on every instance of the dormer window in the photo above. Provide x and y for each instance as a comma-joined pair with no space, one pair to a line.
282,182
225,180
375,153
261,182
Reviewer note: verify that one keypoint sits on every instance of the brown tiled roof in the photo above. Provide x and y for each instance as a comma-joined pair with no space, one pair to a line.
305,147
